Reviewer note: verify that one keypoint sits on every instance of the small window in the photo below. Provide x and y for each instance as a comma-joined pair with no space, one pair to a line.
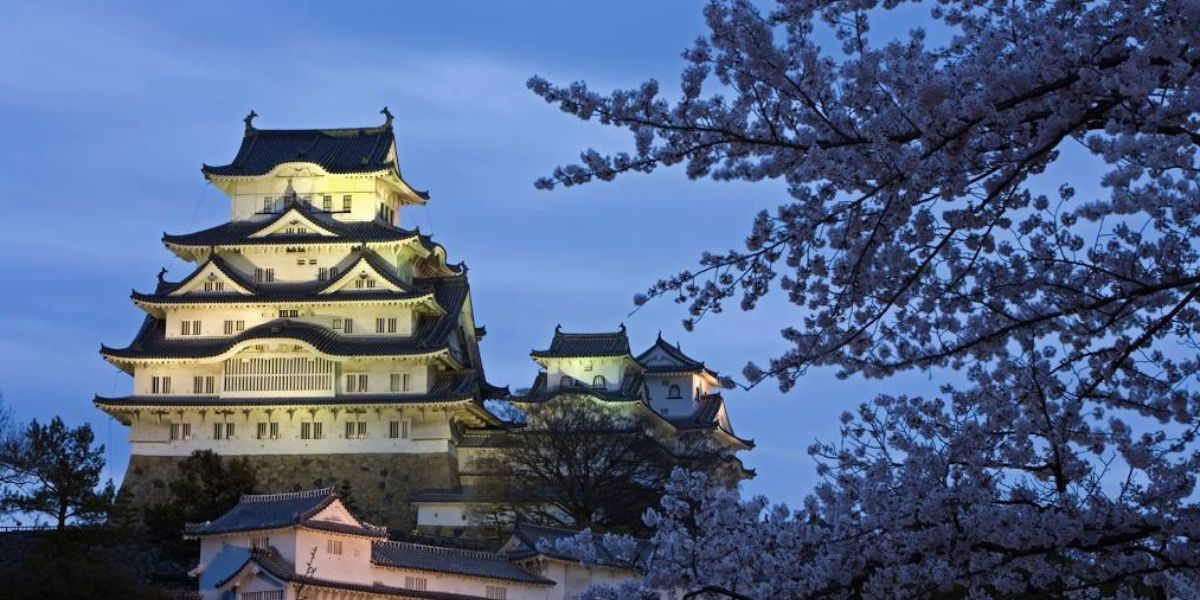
394,382
333,546
180,431
416,583
673,393
322,273
349,326
356,430
564,381
267,204
327,203
203,384
289,313
399,430
346,203
333,272
312,430
160,384
356,382
337,324
379,325
260,543
228,327
495,592
312,261
267,431
599,381
391,325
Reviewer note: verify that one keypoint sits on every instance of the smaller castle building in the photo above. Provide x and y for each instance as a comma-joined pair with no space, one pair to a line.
308,545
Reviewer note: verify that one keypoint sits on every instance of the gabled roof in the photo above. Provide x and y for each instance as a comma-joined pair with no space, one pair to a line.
339,151
242,233
255,512
431,335
281,569
583,345
530,540
709,414
675,360
457,561
315,291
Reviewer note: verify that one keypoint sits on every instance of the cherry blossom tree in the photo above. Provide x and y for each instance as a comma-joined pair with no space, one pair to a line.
926,228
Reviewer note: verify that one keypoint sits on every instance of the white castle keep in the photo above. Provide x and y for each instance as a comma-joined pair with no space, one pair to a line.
332,346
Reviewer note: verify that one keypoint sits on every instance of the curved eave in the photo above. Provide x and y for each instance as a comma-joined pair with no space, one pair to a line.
122,356
549,396
151,302
182,249
125,410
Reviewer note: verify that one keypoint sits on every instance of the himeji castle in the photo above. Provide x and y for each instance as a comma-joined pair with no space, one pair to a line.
332,346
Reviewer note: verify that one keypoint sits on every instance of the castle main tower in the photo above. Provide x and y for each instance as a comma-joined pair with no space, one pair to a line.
315,335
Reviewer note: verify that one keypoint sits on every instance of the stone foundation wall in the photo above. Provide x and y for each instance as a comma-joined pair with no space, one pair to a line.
377,485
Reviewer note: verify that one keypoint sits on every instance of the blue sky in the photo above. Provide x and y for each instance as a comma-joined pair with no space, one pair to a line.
110,110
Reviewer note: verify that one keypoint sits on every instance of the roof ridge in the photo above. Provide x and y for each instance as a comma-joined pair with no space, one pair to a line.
272,497
481,554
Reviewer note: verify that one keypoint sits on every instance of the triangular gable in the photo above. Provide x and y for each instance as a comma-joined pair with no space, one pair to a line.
336,512
293,222
362,270
209,273
659,357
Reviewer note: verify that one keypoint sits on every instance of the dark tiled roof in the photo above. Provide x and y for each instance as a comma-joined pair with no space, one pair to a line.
569,345
631,390
533,540
707,416
277,566
474,563
238,233
348,150
682,362
267,511
431,335
447,388
282,292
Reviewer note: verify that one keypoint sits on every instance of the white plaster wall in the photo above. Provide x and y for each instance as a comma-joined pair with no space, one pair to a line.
379,371
443,514
586,370
367,192
429,432
659,386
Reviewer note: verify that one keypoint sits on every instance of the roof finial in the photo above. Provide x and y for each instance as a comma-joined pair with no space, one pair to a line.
558,328
622,327
387,114
660,335
162,275
249,121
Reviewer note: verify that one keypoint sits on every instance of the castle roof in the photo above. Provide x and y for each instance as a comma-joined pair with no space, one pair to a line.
243,233
662,358
438,559
585,345
255,512
338,151
278,567
431,336
167,293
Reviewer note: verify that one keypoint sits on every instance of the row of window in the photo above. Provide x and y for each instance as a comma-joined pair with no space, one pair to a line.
231,326
265,595
309,430
270,202
597,382
355,383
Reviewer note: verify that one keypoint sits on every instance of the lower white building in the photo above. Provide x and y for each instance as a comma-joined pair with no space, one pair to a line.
308,546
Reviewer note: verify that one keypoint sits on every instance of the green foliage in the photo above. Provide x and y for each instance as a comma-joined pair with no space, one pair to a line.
55,471
94,563
206,488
